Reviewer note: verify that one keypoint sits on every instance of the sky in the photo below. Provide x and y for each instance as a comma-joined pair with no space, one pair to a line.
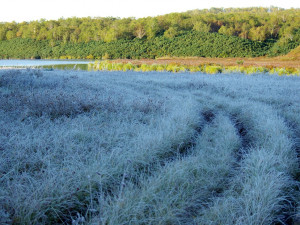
28,10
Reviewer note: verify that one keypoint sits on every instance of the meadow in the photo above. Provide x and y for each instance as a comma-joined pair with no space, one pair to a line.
111,147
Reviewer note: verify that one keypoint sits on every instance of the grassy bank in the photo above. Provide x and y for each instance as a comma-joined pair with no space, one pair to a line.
204,68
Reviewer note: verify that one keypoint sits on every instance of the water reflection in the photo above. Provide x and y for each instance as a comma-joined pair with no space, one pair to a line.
54,64
66,67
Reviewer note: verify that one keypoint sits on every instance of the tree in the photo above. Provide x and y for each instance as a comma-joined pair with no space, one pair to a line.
11,30
258,33
245,29
171,32
110,35
139,28
202,26
123,28
74,36
34,28
229,31
43,33
10,35
3,31
288,33
152,28
273,26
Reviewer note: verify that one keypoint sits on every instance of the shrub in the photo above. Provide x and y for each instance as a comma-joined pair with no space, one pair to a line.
194,68
145,68
128,66
213,69
90,57
106,56
240,62
232,69
153,67
160,68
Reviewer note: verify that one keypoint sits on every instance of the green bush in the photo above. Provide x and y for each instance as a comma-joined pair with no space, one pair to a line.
128,66
145,68
213,69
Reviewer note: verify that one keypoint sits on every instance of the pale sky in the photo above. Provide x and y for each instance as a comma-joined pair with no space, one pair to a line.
27,10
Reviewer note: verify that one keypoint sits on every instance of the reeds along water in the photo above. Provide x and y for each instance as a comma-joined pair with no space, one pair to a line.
177,68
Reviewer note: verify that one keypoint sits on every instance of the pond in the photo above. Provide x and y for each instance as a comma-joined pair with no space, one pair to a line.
48,64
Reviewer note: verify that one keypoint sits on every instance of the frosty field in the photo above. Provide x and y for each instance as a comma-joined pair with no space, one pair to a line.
80,147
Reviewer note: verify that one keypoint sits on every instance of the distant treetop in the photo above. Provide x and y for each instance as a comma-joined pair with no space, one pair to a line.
256,23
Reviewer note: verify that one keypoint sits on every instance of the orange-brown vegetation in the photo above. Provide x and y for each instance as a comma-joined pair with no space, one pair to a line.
291,60
293,55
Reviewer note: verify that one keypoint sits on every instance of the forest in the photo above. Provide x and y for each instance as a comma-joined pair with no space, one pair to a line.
215,32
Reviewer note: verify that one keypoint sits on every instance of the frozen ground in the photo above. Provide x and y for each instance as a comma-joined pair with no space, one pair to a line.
148,148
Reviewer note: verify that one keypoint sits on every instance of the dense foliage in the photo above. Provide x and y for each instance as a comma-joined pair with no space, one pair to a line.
283,46
188,44
216,32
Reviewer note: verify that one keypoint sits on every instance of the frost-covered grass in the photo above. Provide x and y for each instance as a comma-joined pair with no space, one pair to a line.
264,185
176,191
148,148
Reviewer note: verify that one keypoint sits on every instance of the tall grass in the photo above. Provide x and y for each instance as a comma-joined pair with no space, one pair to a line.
263,187
264,184
64,135
205,68
147,148
170,196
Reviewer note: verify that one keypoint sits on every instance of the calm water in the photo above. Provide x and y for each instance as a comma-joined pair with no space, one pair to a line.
29,63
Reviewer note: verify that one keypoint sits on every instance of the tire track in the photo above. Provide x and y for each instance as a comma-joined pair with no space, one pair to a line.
174,193
264,184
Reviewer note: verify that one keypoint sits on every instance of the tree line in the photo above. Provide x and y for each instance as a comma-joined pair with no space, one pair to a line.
259,26
192,43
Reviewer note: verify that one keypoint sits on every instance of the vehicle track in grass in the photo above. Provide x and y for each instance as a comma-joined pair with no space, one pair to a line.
193,179
259,135
139,154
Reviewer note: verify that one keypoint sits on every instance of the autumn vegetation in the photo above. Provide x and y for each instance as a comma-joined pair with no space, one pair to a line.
208,68
215,32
